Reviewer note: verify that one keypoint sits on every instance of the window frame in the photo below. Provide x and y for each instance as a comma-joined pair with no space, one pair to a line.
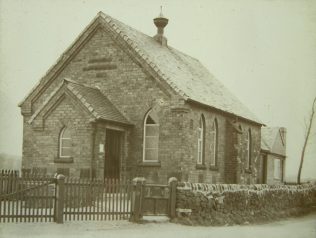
61,142
145,125
201,142
249,150
214,146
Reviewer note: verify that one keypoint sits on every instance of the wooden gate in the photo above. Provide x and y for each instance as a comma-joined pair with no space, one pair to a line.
26,199
153,199
108,199
156,200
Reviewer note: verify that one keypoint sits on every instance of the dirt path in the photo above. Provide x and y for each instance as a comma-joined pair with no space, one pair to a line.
302,227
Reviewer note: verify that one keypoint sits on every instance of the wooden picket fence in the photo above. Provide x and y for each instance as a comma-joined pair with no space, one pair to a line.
26,199
8,185
41,198
34,198
108,199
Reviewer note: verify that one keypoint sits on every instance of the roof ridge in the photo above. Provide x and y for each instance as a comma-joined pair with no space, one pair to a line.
190,74
184,54
120,32
108,19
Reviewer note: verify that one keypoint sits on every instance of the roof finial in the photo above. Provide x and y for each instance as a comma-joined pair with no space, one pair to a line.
160,15
160,23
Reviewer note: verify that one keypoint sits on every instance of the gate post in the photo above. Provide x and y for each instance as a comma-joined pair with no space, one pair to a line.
59,207
137,199
172,200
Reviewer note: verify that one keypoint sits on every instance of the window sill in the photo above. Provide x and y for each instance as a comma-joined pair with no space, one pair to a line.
63,160
214,168
150,164
200,166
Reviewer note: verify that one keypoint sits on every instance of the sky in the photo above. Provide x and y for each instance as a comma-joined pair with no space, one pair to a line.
264,51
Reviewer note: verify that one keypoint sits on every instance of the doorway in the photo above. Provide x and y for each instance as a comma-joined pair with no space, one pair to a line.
112,154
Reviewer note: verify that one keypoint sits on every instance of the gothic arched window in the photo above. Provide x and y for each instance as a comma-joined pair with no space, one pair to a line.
64,143
214,143
248,150
201,141
151,137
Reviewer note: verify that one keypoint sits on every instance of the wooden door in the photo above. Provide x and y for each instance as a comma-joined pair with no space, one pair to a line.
112,154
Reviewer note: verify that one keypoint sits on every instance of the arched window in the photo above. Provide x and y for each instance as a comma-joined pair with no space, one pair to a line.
201,140
64,143
151,137
248,149
214,143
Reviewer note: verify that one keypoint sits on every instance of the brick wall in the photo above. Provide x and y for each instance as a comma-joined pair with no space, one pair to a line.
253,175
107,63
190,170
104,62
231,151
40,146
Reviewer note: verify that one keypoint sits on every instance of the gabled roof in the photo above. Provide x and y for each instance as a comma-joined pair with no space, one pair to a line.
264,144
269,137
185,75
92,99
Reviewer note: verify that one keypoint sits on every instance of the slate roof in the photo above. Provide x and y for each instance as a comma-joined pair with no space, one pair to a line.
97,103
268,137
184,74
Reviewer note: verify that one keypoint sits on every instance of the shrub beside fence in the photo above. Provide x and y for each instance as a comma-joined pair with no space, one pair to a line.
218,204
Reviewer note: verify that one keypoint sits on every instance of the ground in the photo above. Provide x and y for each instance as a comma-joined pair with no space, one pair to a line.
301,227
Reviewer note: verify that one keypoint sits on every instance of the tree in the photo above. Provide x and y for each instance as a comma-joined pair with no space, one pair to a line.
308,132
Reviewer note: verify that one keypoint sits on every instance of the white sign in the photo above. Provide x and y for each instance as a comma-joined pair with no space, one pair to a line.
101,148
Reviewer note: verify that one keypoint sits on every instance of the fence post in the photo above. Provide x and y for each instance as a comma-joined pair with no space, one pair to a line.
59,208
172,201
137,199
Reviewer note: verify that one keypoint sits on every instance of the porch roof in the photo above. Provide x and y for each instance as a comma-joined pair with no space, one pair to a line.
91,98
96,102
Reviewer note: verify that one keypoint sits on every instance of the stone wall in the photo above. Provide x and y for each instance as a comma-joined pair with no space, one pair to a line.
221,204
